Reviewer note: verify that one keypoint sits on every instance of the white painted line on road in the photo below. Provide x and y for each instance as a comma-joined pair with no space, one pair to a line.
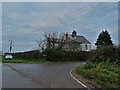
78,81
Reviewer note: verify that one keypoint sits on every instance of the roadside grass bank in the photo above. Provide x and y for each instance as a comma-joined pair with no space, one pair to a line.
30,61
106,74
103,67
33,61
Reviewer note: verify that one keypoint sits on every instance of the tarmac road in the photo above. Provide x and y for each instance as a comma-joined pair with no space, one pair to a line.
55,75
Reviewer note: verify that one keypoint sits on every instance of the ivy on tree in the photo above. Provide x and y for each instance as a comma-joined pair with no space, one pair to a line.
104,39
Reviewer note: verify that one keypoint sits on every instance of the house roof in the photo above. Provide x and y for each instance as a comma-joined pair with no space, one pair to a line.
79,39
82,39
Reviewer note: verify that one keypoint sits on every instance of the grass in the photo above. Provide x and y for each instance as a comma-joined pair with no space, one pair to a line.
106,74
31,61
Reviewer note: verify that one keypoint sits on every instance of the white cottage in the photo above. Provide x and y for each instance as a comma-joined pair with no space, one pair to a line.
70,42
76,42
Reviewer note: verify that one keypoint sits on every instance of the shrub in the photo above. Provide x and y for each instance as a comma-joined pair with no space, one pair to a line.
76,56
59,55
105,54
54,54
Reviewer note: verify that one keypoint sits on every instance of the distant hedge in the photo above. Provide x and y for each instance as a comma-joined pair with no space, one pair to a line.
28,55
53,55
109,53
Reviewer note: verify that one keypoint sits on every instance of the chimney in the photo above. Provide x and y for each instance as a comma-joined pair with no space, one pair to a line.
74,34
66,36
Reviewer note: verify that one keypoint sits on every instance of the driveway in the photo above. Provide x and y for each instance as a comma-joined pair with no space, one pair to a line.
55,75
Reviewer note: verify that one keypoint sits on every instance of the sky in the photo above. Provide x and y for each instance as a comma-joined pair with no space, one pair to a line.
59,0
26,22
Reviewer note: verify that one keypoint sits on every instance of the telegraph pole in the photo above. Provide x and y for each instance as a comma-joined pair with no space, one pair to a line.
10,46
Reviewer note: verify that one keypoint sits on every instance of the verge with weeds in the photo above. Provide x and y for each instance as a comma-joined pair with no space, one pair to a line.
105,74
102,68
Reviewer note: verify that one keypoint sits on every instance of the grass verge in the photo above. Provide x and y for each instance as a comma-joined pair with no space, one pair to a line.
105,74
31,61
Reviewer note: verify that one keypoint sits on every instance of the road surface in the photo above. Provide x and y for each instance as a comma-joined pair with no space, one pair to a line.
55,75
0,75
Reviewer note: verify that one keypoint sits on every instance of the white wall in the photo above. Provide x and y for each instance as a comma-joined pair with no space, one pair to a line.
85,47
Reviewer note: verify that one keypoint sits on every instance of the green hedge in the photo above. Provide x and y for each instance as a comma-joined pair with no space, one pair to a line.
53,55
28,55
59,55
109,53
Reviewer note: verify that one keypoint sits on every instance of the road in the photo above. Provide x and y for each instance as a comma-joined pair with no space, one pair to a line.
55,75
0,76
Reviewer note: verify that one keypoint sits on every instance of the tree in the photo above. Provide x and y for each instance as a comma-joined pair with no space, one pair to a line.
47,38
41,44
61,41
51,40
104,39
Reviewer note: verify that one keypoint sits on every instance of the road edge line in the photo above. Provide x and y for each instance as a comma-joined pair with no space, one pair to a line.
78,81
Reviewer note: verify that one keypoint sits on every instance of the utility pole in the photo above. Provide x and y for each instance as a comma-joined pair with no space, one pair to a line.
10,45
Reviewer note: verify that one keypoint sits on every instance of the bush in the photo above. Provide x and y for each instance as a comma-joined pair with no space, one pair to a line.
105,54
59,55
76,56
54,54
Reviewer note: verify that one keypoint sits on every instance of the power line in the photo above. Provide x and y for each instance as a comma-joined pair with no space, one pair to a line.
68,17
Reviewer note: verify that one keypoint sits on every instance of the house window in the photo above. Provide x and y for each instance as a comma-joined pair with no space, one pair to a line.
86,47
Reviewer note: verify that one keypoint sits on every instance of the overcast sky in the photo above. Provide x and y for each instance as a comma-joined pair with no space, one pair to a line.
25,22
59,0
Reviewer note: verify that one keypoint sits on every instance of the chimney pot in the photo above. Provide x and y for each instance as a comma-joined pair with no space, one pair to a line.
66,36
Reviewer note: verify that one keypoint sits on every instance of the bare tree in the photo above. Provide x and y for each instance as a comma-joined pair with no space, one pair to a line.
41,44
61,41
51,39
47,38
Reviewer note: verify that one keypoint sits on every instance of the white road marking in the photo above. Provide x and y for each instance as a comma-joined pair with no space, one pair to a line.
78,81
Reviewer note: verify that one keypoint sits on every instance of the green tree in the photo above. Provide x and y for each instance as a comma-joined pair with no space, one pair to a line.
104,39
